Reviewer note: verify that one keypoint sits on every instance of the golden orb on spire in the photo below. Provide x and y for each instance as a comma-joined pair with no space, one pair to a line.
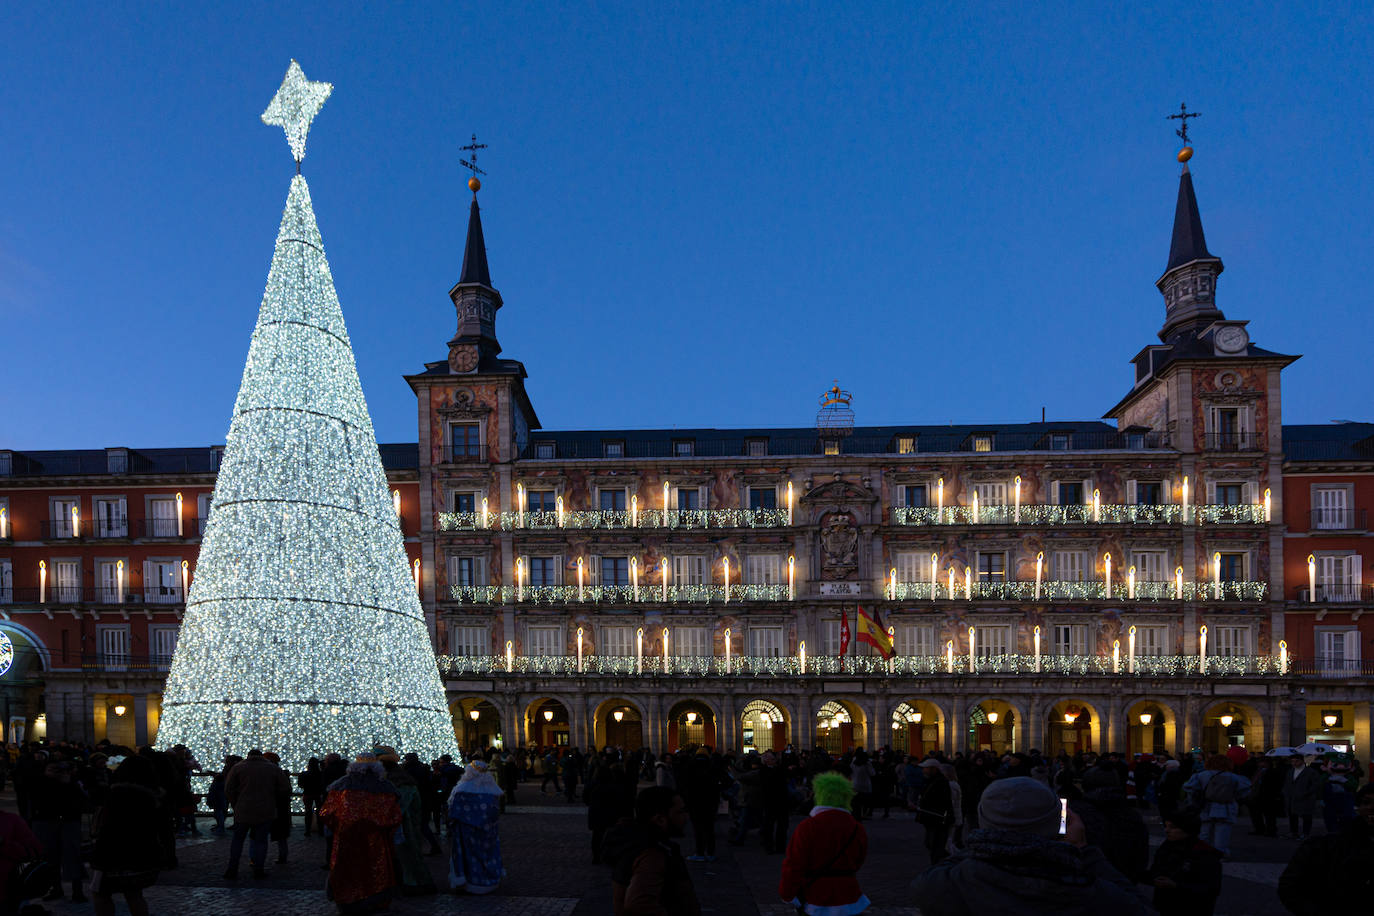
1185,154
474,185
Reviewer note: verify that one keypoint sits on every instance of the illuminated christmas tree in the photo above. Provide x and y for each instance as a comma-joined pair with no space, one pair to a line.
303,631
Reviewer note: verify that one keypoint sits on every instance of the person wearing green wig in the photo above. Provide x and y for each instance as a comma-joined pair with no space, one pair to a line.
820,872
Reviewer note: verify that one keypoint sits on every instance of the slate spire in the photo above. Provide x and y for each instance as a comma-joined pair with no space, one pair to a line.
1188,243
475,253
1189,282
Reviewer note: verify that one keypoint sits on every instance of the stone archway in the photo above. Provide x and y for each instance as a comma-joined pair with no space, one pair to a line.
840,726
1072,726
548,723
765,726
993,723
476,723
619,723
917,727
691,722
1152,727
1229,723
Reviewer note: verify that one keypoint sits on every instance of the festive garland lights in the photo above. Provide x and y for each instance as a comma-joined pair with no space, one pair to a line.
1080,515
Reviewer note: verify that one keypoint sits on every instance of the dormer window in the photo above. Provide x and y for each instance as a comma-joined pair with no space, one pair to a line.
684,448
543,450
613,449
906,445
756,448
1059,442
982,443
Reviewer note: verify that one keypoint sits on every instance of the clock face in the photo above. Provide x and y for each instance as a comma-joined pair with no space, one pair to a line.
462,359
1232,339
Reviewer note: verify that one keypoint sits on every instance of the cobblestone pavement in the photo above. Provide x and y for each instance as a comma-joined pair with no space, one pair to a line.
549,873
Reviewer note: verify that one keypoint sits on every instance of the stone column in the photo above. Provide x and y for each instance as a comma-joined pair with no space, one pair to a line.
1036,733
956,731
728,728
140,719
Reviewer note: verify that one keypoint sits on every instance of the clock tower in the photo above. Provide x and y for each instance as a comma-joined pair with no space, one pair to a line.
474,345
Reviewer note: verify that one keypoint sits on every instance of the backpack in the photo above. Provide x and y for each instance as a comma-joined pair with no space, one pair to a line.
1220,789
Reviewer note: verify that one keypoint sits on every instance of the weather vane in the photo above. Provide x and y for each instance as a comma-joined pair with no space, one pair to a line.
474,183
1183,115
295,106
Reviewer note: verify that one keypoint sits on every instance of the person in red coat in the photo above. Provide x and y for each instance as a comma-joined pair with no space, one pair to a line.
820,874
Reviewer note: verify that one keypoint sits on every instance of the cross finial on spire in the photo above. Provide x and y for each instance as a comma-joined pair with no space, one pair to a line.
1183,115
471,163
295,106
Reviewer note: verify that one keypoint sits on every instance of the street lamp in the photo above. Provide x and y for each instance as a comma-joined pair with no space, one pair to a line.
992,718
1226,719
548,715
618,715
120,709
691,718
474,714
1330,719
1145,718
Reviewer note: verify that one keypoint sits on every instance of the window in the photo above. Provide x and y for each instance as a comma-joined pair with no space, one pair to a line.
61,510
6,582
465,572
1059,442
1070,492
1338,577
684,448
471,641
544,450
611,500
203,503
831,447
982,443
1226,426
113,642
912,565
991,494
111,519
1338,651
992,566
66,580
160,582
162,517
544,641
540,500
1152,641
465,501
1070,565
617,641
688,498
465,440
1149,493
906,445
117,461
765,642
541,570
1070,639
915,640
1329,507
1229,641
756,447
615,449
763,497
763,569
691,642
989,641
1135,441
1229,494
912,496
615,570
108,584
689,570
831,644
1150,565
162,645
1232,567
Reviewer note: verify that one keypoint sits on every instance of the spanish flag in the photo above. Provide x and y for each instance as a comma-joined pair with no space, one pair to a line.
870,630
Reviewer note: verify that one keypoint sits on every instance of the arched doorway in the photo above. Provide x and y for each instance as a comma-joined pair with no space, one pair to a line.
619,723
691,722
839,727
992,726
1151,728
915,728
1230,724
1072,727
476,724
764,726
547,724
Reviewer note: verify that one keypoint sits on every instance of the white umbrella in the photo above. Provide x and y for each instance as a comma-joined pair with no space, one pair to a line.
1314,749
1282,752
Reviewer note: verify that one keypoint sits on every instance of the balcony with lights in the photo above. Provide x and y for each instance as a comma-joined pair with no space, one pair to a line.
1076,515
957,589
626,519
618,594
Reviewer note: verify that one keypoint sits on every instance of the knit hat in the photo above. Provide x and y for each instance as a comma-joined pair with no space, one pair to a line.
1021,804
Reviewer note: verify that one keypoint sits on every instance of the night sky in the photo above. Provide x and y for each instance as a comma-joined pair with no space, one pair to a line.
697,214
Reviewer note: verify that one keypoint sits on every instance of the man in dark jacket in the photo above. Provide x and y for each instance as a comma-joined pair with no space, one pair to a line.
1016,862
1302,789
649,877
1112,823
1186,872
254,788
1332,873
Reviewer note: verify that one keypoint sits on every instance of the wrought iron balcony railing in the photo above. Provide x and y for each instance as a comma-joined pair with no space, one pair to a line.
614,518
1332,667
1024,590
112,661
615,594
950,665
1338,520
1336,594
1081,515
59,595
1234,442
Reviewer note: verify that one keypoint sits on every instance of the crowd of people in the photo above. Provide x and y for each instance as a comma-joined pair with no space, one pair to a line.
1029,832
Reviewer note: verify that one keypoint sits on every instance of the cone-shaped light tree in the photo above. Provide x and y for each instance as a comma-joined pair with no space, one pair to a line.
303,630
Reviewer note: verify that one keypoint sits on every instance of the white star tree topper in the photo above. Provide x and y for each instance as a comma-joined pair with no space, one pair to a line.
295,106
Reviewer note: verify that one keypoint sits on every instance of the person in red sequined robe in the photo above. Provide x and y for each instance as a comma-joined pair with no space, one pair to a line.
362,811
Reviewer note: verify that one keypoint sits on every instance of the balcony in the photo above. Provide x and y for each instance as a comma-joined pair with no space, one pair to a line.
615,594
1024,590
1080,515
60,529
167,528
1331,667
462,454
109,528
1234,442
61,596
124,662
1338,520
685,519
1336,594
950,665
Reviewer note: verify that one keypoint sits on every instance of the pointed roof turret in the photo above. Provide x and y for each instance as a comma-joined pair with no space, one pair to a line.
475,253
1188,243
1189,281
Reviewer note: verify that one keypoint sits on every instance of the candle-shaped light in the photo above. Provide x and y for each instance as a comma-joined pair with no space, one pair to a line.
119,581
892,638
951,583
949,656
801,656
1116,656
892,585
558,510
486,514
416,571
791,577
1130,650
940,500
1268,506
634,511
634,577
520,505
1097,505
1039,572
581,579
725,563
181,522
663,570
968,583
789,502
519,579
76,522
1107,573
395,502
972,653
4,523
727,649
1130,583
1178,583
665,650
1283,656
1016,519
974,505
639,650
665,504
1037,648
1202,649
42,581
510,656
1216,576
1185,499
580,637
185,579
934,576
1311,578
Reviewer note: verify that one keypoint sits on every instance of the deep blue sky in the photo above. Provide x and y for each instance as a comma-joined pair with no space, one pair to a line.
697,215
